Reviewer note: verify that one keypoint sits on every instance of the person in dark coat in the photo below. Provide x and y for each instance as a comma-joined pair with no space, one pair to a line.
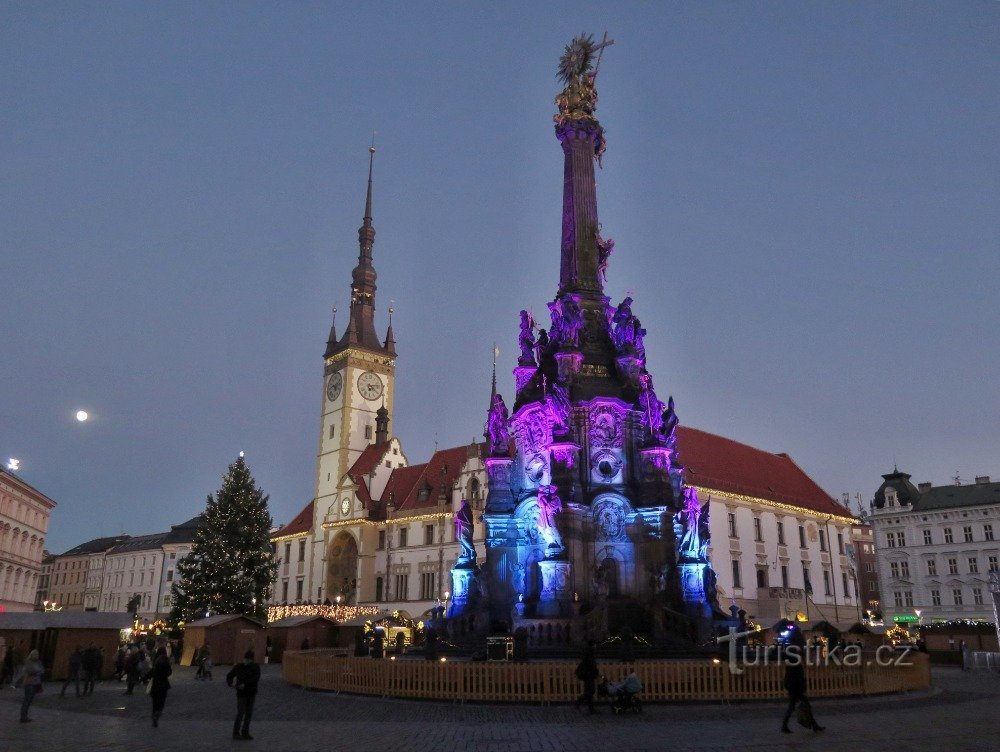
91,663
159,678
75,667
795,680
245,676
587,673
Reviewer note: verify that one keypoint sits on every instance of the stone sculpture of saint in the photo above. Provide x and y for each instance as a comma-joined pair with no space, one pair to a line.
549,504
670,422
526,340
604,250
559,408
542,346
463,533
690,518
652,409
572,322
622,335
497,423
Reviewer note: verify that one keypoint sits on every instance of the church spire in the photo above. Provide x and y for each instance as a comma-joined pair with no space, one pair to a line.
360,330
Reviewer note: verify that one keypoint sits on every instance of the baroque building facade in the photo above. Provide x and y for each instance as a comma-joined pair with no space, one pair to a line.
936,547
24,521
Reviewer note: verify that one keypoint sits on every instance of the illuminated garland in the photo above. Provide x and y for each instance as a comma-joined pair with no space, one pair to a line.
337,613
380,523
775,504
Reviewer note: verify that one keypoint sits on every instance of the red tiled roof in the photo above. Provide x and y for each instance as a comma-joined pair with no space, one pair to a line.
722,464
302,523
401,482
367,461
363,493
443,469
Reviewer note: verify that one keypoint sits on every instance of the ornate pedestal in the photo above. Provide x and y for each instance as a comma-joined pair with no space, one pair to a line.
556,597
461,583
695,604
522,375
500,498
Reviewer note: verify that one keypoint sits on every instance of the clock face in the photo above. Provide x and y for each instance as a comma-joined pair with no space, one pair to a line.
334,386
345,506
370,385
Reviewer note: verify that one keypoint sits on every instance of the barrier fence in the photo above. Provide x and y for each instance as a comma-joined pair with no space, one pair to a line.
546,682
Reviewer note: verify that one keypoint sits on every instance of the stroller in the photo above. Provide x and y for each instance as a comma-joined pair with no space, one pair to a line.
623,694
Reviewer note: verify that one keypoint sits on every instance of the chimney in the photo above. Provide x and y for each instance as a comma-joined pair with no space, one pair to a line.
924,487
982,480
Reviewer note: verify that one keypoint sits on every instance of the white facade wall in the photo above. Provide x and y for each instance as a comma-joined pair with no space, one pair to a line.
777,597
24,520
133,572
173,553
943,579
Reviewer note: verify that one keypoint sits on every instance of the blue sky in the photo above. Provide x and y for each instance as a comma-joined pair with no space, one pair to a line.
804,199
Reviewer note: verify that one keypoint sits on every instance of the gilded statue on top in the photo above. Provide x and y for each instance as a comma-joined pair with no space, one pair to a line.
577,102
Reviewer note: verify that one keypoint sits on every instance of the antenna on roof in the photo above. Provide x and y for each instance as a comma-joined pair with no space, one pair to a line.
957,479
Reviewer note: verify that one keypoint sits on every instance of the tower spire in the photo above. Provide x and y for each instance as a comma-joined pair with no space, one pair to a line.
496,354
360,330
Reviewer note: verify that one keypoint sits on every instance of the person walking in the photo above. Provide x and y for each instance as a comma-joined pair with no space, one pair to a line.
30,678
91,664
75,667
135,668
206,662
587,672
795,682
246,677
159,684
9,668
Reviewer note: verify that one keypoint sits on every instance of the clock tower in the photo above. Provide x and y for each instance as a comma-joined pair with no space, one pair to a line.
357,396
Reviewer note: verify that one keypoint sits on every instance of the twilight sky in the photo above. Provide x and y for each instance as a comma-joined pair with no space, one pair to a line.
804,199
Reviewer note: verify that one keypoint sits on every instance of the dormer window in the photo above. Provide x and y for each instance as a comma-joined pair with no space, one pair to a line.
890,497
424,493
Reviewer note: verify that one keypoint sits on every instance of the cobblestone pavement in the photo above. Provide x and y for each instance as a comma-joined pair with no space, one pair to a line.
961,712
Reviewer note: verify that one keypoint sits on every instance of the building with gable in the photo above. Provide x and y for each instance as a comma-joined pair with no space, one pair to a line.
936,546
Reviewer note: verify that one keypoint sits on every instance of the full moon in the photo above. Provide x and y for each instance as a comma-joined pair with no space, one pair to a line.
81,415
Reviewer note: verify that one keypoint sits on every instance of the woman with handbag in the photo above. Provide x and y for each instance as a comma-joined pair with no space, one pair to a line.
796,655
30,677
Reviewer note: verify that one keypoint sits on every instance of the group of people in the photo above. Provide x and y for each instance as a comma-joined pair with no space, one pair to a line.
135,667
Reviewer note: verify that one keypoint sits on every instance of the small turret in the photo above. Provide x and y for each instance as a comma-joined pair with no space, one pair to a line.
381,425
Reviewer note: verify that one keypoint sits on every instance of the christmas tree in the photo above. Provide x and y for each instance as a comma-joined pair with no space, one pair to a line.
230,567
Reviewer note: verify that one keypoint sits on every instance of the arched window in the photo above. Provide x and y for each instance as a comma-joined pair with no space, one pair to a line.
761,578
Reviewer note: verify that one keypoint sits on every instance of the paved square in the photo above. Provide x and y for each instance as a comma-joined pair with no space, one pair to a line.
961,713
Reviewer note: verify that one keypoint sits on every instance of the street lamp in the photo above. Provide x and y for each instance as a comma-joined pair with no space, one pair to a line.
338,600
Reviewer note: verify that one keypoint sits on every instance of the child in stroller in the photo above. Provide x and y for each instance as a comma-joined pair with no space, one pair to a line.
623,694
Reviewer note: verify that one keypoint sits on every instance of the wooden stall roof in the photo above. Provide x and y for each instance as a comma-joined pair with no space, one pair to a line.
38,620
